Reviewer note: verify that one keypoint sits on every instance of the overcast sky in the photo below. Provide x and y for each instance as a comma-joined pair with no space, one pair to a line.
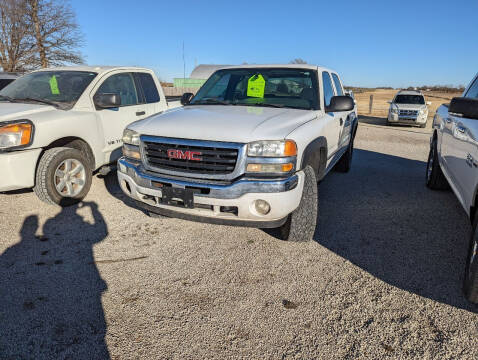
370,43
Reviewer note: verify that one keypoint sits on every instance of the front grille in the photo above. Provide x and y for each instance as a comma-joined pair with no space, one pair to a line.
408,112
214,160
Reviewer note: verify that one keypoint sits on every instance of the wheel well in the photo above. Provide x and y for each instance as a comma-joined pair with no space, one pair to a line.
75,143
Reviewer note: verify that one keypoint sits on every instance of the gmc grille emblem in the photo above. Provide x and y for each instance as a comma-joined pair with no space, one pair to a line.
184,155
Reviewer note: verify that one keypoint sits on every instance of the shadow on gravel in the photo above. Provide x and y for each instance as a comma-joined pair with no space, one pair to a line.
373,120
50,293
382,218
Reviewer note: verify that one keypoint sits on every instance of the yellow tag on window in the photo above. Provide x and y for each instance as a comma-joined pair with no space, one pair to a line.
256,86
54,86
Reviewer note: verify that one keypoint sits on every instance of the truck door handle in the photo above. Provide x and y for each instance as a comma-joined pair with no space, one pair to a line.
139,113
447,120
460,129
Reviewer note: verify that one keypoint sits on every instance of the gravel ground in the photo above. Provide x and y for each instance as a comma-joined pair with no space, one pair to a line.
102,280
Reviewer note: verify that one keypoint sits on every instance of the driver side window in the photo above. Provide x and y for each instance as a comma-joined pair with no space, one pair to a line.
328,89
473,92
123,85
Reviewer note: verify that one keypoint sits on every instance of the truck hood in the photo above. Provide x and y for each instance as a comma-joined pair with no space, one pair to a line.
13,111
224,123
410,106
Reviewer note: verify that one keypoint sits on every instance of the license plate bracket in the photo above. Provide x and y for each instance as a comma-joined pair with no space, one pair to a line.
178,197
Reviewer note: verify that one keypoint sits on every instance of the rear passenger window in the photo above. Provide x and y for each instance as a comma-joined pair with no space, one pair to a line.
328,89
338,85
473,92
123,85
150,90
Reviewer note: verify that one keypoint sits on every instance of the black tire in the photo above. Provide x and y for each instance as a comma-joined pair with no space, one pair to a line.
345,162
300,225
470,281
435,179
46,180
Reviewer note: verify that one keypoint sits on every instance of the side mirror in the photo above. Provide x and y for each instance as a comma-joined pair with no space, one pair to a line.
464,107
186,98
340,103
107,101
429,102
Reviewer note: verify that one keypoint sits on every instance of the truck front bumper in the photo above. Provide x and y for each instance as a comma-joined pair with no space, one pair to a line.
229,204
407,120
17,169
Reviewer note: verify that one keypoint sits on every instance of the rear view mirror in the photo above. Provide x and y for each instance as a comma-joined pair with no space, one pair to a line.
340,103
107,101
464,107
186,98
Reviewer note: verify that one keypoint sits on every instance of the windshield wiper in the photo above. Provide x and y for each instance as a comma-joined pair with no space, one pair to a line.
266,105
42,101
213,102
8,98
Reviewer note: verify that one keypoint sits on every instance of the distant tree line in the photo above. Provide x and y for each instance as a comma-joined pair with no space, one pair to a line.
435,88
38,33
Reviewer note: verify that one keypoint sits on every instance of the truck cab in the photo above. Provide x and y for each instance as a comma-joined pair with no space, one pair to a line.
247,150
59,125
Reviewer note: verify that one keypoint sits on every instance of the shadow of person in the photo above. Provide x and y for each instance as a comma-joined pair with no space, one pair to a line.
50,292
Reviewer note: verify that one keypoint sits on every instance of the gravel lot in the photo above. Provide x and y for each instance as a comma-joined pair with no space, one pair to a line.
102,280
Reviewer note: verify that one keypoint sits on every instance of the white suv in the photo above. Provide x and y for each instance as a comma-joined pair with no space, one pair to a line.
408,108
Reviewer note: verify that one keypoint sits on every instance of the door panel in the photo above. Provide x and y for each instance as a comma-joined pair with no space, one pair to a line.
115,120
344,116
334,128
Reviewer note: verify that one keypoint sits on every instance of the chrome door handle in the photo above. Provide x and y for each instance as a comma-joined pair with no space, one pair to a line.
461,129
448,120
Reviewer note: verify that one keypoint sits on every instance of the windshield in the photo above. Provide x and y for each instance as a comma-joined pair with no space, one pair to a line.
60,88
274,87
410,99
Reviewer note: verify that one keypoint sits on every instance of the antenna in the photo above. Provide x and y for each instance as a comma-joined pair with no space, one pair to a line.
184,65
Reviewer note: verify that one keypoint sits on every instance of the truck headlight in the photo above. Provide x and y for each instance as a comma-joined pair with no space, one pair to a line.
131,144
15,134
270,168
130,137
394,110
423,111
274,148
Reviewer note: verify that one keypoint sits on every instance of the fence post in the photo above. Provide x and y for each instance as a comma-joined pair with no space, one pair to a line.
370,105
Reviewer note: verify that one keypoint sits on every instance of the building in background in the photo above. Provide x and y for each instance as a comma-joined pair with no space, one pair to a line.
198,76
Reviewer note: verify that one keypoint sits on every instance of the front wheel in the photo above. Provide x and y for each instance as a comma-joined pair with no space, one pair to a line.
345,162
63,176
435,179
300,225
470,282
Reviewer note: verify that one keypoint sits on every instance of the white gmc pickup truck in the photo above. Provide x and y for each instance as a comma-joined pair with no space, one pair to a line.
247,150
453,162
59,125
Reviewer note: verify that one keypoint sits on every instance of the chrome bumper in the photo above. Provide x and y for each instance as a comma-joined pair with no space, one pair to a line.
212,199
215,190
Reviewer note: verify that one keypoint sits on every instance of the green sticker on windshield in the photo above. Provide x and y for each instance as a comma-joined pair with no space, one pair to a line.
256,86
54,86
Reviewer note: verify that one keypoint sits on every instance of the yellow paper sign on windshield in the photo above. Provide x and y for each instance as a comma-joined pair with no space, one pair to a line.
256,86
54,86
